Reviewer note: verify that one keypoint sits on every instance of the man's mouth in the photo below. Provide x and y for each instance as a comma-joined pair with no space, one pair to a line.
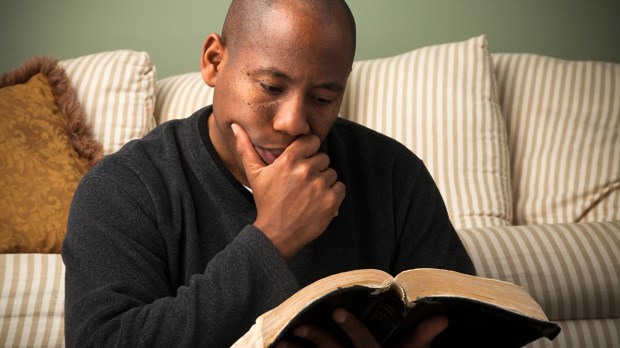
269,155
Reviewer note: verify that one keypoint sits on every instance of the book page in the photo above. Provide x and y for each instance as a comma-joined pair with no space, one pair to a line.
274,321
425,282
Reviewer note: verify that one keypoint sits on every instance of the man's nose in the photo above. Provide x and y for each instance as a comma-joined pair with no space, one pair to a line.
291,117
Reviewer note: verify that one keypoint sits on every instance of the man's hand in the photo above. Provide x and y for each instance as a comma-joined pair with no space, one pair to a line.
361,337
425,333
296,196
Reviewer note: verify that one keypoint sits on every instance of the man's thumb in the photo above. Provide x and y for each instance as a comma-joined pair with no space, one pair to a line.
251,161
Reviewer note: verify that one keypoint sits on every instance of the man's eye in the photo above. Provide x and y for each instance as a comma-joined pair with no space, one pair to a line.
270,88
322,100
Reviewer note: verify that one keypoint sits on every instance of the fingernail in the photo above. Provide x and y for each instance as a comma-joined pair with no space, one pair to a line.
233,126
301,332
340,317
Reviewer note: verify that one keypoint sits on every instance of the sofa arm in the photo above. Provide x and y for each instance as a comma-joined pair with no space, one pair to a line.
32,295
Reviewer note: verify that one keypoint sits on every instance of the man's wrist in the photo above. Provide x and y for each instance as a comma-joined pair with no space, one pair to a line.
285,248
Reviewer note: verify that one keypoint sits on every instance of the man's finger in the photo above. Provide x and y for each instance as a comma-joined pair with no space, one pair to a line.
250,159
355,329
424,334
318,336
305,146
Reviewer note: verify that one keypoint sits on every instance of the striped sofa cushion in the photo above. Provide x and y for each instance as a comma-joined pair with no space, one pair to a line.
570,269
563,122
117,92
599,333
441,102
31,300
180,95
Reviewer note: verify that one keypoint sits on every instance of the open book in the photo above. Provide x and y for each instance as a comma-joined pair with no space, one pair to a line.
482,312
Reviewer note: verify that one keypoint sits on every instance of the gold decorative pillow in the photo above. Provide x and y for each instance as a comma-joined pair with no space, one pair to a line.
45,149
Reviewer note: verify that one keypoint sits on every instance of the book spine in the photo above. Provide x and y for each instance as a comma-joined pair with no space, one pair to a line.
384,317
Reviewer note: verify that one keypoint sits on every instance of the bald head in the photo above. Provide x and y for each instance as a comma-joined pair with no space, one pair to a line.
246,18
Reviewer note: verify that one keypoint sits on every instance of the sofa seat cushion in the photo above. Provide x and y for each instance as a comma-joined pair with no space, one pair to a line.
570,269
563,122
441,102
32,296
584,333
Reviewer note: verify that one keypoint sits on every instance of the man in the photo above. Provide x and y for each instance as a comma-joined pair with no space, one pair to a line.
185,237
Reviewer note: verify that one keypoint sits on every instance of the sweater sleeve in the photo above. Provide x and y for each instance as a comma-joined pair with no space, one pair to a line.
118,283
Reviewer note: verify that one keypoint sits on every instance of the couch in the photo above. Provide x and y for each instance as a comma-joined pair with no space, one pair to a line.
524,148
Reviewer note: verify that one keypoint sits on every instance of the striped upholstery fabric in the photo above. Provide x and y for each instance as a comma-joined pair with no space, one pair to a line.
179,96
563,121
32,292
441,102
117,91
599,333
570,269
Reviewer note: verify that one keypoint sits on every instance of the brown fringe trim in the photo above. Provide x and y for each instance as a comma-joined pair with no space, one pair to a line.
80,133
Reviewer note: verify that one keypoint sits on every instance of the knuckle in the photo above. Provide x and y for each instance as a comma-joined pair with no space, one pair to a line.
285,157
340,189
303,171
324,160
332,176
334,199
314,141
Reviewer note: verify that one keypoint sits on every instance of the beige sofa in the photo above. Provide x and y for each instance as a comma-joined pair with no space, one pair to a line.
524,148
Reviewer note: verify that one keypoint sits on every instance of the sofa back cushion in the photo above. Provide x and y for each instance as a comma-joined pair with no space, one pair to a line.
180,95
441,102
117,92
563,122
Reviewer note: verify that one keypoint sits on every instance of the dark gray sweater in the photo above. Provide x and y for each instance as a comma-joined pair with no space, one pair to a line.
160,250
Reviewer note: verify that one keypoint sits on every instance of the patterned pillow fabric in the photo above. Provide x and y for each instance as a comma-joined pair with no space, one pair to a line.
117,92
179,96
563,121
45,150
441,102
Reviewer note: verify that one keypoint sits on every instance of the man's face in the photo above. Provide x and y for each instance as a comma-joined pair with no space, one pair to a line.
289,81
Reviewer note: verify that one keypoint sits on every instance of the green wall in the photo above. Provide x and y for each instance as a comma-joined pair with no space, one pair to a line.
173,32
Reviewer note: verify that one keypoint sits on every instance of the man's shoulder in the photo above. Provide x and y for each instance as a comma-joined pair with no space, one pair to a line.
166,139
163,147
367,154
173,129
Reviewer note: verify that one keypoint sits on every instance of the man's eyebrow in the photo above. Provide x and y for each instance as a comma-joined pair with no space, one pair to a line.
332,86
275,72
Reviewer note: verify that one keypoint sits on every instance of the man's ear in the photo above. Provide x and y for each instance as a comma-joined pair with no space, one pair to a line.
213,53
